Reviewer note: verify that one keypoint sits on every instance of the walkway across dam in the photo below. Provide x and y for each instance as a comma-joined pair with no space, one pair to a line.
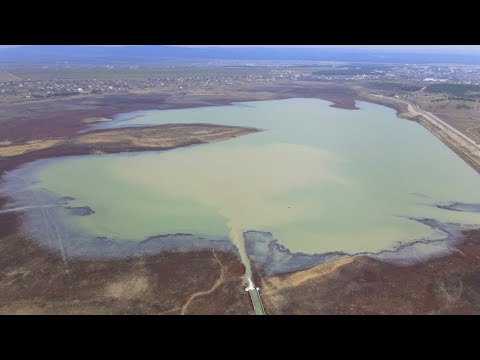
255,297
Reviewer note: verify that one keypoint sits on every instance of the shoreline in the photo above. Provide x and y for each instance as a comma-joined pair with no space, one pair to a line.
67,150
34,280
45,119
127,139
11,227
467,152
364,285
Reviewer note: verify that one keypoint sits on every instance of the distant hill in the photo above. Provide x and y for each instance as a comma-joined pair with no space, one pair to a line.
35,54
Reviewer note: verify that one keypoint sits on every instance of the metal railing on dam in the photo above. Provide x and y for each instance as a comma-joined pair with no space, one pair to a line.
255,297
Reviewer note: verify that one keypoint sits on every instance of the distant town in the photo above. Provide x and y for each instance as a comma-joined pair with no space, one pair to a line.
61,81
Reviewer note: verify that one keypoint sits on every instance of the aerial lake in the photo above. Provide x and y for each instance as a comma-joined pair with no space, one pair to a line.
318,178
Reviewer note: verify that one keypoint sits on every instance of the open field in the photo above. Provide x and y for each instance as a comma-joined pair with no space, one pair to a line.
96,120
159,137
6,76
8,150
145,72
461,114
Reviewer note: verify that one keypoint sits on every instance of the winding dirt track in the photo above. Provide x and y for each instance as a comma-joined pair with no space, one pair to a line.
206,292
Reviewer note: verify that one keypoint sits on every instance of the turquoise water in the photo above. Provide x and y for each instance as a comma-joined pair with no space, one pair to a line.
318,178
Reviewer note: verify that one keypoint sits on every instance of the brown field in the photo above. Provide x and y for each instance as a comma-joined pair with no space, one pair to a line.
96,120
454,112
158,137
6,76
127,139
29,146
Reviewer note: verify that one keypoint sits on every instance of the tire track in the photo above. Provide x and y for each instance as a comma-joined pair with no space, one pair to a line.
206,292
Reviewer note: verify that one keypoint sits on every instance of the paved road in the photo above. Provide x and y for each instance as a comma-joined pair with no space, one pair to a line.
414,109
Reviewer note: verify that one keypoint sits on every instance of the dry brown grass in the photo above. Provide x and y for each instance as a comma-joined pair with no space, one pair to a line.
127,288
164,137
98,152
116,137
96,119
6,76
27,147
298,278
128,139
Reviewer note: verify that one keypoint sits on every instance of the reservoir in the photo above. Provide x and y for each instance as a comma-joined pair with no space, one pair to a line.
318,178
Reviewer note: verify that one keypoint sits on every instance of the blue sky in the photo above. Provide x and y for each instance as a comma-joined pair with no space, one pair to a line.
449,48
440,48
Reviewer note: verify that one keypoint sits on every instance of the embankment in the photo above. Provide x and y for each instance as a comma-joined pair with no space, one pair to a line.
465,149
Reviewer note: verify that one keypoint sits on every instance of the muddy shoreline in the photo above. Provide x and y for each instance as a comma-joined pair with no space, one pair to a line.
36,280
271,258
363,285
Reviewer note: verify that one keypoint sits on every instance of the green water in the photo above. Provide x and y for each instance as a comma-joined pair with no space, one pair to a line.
318,178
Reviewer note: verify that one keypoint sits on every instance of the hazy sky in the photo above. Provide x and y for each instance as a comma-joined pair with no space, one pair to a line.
389,47
441,48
